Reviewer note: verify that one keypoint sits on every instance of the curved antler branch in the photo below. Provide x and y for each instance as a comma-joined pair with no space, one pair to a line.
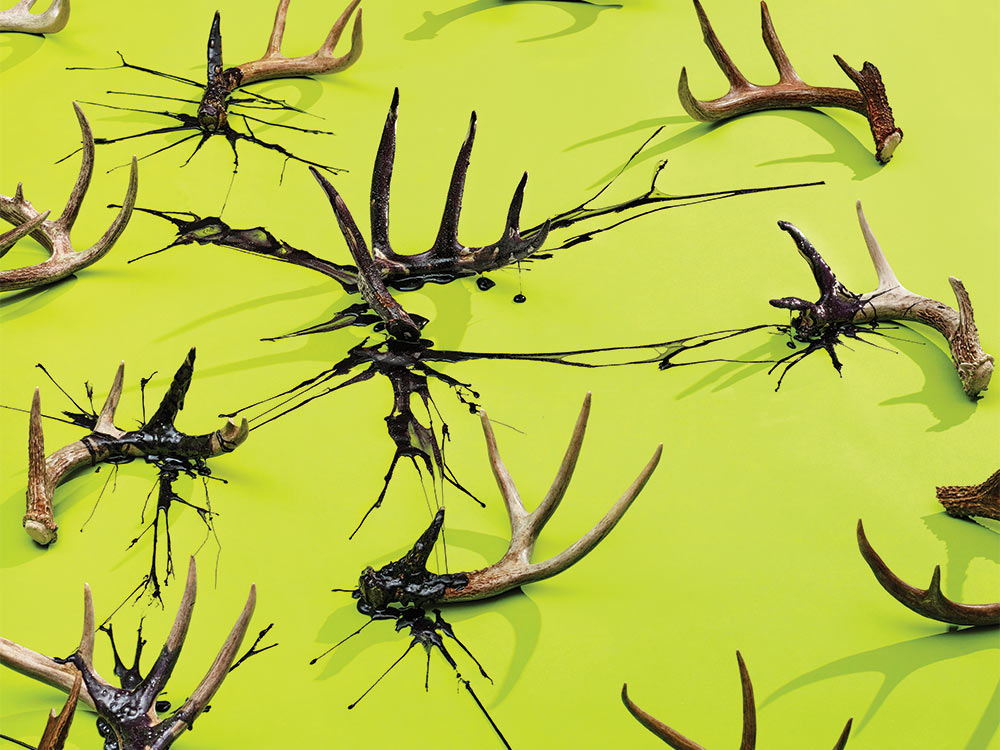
791,92
515,567
929,602
57,727
64,260
973,500
20,17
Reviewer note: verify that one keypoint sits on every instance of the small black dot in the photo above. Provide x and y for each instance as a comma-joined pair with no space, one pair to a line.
519,298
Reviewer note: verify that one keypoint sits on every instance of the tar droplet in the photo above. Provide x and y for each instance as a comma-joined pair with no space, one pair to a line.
485,284
162,707
790,345
519,298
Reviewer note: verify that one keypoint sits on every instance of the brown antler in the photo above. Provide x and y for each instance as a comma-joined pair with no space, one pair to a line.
679,742
274,65
20,18
929,602
973,500
515,567
157,438
55,235
130,711
791,92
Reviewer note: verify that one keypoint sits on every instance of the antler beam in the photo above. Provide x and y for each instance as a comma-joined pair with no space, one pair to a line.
929,602
791,92
131,712
679,742
156,440
55,235
20,18
974,500
838,307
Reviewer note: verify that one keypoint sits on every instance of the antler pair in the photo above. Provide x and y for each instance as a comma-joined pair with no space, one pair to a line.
130,711
446,259
791,92
156,441
839,307
20,17
679,742
55,235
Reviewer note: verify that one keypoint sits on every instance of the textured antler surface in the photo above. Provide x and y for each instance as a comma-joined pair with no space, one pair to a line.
57,727
791,92
929,602
20,17
55,235
515,567
130,710
158,439
749,742
972,500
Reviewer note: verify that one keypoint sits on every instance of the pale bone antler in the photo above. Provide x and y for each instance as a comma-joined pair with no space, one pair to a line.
446,257
515,567
157,439
929,602
973,500
749,742
792,92
55,235
890,301
20,18
131,713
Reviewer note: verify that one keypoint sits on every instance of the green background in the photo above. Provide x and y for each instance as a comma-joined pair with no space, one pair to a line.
744,537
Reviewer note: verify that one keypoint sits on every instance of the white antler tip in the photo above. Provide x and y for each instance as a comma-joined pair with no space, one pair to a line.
39,532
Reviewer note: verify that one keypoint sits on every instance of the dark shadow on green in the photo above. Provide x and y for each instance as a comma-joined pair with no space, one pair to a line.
19,47
897,662
737,371
583,12
650,124
986,729
965,541
13,305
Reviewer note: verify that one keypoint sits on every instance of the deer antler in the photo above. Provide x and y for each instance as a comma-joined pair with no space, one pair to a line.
157,440
55,235
274,65
130,711
974,500
929,602
20,18
791,92
837,306
679,742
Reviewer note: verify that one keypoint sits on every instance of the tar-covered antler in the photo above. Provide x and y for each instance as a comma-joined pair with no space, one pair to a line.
446,257
20,17
973,500
55,235
679,742
130,711
818,323
929,602
791,91
156,441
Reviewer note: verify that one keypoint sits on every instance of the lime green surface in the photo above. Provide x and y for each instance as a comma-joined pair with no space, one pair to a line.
744,538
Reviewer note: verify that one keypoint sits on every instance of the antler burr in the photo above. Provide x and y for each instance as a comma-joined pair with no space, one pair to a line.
55,235
679,742
130,710
791,92
973,500
20,17
156,441
839,307
929,602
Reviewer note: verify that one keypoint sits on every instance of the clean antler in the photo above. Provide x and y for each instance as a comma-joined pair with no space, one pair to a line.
57,727
55,235
156,441
929,602
130,710
447,257
678,741
791,92
819,323
20,18
974,500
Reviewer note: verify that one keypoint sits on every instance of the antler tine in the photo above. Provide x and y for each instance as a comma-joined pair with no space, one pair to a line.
57,728
547,507
382,180
183,619
736,79
842,740
673,738
929,602
786,72
106,419
447,237
173,400
508,490
69,214
749,741
38,521
19,18
886,277
9,239
278,30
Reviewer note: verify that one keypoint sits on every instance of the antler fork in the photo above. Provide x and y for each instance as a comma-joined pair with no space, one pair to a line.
791,92
20,18
55,235
130,711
